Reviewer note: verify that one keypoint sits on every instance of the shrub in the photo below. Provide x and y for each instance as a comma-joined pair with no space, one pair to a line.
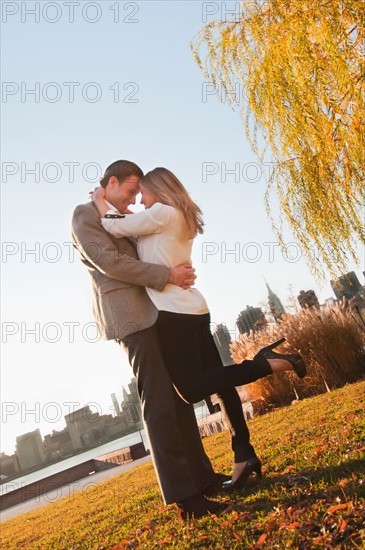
331,341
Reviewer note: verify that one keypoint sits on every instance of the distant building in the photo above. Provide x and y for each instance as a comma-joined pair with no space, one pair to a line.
276,307
115,404
346,286
30,451
80,424
58,444
9,465
348,289
308,299
131,405
222,339
250,319
88,429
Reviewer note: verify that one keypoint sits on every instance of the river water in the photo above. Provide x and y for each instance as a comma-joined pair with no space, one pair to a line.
109,447
115,445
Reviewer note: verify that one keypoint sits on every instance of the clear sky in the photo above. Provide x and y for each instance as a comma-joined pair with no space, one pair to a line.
85,84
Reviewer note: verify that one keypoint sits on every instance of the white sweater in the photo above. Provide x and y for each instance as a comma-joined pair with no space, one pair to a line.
161,240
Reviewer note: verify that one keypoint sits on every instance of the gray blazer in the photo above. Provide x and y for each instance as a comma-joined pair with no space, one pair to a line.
121,305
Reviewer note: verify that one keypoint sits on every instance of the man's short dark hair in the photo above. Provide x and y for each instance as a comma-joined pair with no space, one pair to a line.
121,169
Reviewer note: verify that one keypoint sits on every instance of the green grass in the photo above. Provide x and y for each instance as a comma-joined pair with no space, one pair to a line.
312,494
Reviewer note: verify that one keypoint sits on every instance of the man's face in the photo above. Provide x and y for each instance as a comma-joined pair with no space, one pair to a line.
124,194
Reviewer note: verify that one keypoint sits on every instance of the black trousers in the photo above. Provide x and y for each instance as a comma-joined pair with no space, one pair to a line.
196,371
181,464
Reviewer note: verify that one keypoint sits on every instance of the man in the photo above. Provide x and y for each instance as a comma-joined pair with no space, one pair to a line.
124,312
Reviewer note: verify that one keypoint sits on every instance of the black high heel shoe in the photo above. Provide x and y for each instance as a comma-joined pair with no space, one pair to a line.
296,360
251,465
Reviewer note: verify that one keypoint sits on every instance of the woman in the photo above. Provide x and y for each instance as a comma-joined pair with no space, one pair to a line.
166,231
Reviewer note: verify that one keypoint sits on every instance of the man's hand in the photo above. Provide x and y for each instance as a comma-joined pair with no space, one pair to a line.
182,275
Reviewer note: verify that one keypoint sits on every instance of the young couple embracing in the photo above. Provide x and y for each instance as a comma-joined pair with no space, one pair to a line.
144,298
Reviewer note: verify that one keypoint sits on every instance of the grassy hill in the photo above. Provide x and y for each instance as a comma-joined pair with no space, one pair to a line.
312,494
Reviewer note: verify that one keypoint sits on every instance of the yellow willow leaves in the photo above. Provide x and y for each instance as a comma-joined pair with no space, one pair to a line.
302,67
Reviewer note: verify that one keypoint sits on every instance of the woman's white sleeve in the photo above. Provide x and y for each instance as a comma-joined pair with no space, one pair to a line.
147,222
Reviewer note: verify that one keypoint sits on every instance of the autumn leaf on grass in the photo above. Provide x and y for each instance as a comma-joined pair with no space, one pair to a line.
237,536
165,540
321,448
293,525
338,507
342,526
289,468
261,540
187,532
121,546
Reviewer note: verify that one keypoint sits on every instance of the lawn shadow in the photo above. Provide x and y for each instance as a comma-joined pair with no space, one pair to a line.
304,480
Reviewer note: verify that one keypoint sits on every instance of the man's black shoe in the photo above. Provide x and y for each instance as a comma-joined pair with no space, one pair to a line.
198,506
216,486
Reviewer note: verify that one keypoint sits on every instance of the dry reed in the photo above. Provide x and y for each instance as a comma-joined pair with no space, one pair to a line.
331,341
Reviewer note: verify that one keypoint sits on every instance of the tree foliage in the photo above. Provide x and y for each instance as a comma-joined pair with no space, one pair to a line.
302,66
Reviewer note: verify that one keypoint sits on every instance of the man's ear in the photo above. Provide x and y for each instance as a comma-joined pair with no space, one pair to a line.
113,182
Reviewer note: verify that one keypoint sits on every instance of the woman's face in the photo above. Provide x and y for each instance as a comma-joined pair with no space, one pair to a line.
148,199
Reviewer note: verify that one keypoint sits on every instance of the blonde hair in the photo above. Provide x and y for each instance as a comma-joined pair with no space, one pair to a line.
169,190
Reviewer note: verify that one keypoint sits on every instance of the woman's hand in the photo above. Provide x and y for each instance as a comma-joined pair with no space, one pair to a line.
98,197
98,193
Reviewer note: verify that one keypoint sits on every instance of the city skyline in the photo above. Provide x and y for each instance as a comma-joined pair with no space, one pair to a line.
83,430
